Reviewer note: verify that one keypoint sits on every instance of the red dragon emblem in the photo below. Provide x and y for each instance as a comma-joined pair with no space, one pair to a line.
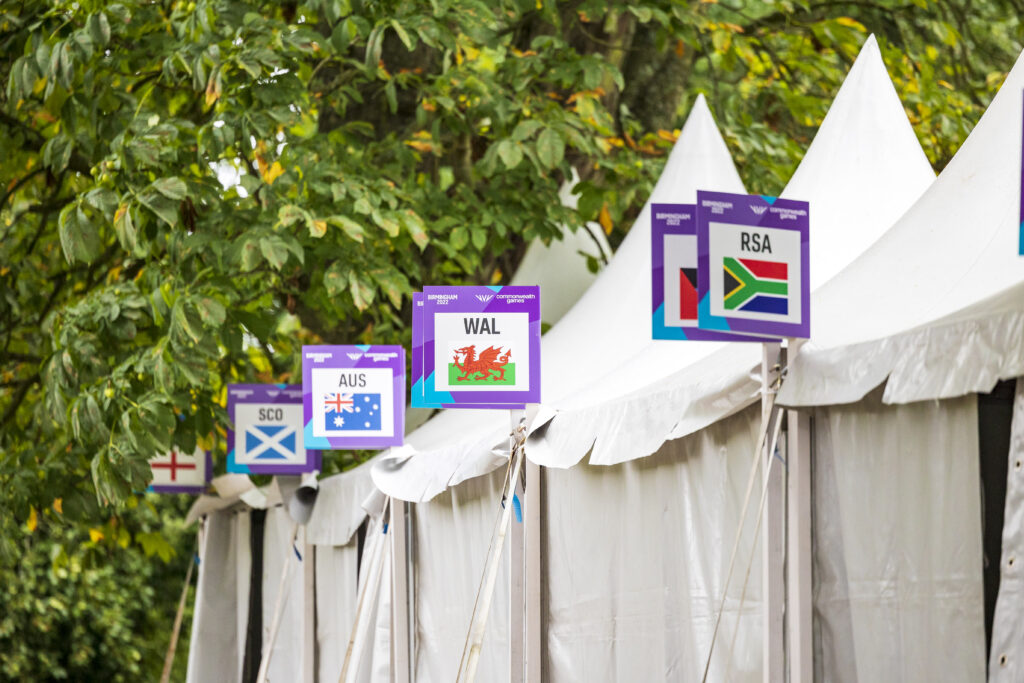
490,361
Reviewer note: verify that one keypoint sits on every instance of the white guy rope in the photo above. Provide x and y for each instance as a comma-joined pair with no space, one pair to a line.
370,587
767,414
478,624
275,624
757,530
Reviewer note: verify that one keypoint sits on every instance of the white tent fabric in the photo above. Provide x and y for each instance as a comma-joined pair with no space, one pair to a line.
937,304
452,534
864,168
899,593
636,556
336,599
221,607
610,321
278,549
1006,658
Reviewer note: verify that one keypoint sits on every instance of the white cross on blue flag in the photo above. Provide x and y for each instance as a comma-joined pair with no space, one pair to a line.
271,442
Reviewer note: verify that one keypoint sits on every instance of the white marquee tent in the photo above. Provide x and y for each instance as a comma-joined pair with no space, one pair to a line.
896,595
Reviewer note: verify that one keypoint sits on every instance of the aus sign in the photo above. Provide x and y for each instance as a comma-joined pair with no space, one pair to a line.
353,396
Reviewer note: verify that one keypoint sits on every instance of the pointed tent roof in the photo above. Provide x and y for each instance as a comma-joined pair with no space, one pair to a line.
864,168
937,304
609,322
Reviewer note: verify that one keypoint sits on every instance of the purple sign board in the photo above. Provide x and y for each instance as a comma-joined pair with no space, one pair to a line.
180,473
753,265
418,397
481,346
674,276
353,396
266,435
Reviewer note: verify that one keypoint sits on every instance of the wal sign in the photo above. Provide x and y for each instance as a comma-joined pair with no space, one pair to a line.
753,265
674,278
481,346
267,436
353,396
418,398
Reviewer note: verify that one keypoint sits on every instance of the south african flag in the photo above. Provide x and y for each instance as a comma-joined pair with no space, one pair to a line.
755,286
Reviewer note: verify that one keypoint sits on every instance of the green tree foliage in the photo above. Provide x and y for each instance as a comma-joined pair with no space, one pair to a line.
192,190
77,606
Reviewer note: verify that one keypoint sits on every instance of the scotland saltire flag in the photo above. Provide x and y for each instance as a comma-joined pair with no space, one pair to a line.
271,442
352,412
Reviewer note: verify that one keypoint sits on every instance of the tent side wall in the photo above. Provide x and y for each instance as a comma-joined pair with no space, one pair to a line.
452,535
899,590
222,599
635,557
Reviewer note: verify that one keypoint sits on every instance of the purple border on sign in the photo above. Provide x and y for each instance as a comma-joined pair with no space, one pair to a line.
354,357
1020,247
194,490
753,211
266,393
473,300
660,227
419,400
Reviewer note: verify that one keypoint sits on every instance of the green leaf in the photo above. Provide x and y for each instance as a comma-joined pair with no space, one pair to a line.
402,35
275,250
125,229
362,294
172,188
394,284
187,321
163,207
79,238
511,154
349,226
260,325
57,153
387,224
211,311
416,228
550,148
335,279
99,29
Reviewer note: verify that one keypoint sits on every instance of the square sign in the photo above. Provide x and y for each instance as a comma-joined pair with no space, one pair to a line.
418,398
180,473
481,346
674,276
753,265
353,396
267,436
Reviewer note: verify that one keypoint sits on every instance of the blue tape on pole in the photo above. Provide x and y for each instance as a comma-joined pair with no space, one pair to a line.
296,551
385,531
517,506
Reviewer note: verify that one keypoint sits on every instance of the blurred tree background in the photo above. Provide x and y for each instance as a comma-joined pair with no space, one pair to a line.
193,190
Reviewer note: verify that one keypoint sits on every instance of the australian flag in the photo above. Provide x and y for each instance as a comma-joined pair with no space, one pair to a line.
352,412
